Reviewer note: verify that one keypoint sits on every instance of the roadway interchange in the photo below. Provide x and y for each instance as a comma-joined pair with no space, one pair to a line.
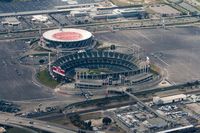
8,119
11,120
106,26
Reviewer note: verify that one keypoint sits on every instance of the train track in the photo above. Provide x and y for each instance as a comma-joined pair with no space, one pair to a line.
117,104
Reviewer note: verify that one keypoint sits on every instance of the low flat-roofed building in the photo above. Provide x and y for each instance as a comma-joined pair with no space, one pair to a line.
156,123
78,13
104,15
11,21
140,116
169,99
130,12
71,2
40,18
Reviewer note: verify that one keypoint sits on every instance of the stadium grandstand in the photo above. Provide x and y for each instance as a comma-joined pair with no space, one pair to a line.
97,68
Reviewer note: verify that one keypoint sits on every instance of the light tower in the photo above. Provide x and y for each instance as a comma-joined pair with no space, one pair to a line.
60,27
49,61
163,23
147,64
40,30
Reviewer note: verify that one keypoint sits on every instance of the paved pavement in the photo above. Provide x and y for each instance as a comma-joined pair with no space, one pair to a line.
44,126
33,5
16,80
174,49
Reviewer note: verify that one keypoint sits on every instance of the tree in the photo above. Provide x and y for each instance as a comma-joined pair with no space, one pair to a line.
89,123
112,47
41,61
106,120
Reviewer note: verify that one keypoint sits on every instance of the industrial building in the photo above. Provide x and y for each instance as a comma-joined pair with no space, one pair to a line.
40,18
11,21
78,13
118,13
131,12
169,99
156,123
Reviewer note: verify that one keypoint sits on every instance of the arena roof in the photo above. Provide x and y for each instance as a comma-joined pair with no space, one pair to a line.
67,35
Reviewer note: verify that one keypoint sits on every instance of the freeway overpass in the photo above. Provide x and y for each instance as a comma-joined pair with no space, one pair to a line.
147,107
8,119
32,12
27,13
20,127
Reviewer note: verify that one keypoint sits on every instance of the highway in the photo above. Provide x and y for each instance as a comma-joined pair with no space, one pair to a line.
37,12
20,127
8,119
105,26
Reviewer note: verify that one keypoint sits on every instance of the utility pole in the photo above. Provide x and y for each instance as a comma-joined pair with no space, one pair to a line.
40,30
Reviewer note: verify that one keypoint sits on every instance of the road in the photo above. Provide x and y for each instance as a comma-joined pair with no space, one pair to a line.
147,107
105,26
27,13
8,119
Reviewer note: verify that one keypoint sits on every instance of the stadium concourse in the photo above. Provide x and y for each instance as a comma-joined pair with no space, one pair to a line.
67,39
120,69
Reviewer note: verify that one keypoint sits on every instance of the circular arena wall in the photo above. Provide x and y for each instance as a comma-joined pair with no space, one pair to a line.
68,38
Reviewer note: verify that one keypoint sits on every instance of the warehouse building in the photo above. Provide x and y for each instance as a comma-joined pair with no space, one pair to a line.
170,99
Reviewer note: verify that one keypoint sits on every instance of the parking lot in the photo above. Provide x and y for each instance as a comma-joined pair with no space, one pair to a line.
17,79
32,5
29,5
176,49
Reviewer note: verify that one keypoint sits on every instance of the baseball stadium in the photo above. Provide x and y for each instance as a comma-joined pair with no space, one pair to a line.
94,69
68,38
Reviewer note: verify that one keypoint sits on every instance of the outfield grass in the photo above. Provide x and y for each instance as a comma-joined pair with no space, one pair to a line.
98,71
44,78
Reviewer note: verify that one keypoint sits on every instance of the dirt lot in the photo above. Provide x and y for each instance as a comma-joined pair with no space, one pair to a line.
194,107
164,9
64,121
96,118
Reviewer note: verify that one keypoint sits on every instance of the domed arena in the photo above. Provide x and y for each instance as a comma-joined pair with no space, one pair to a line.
67,38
